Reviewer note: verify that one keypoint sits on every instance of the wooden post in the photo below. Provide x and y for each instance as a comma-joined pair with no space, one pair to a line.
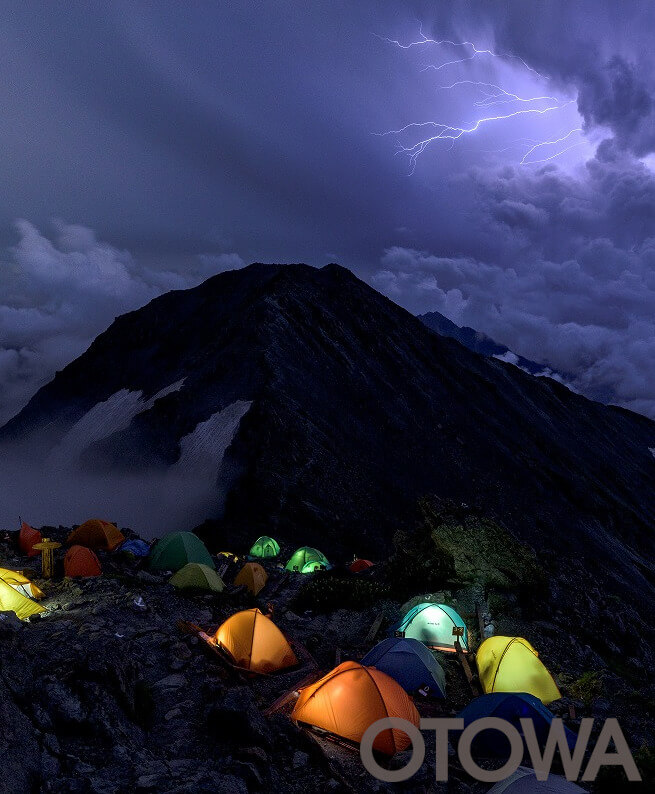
458,631
374,628
47,547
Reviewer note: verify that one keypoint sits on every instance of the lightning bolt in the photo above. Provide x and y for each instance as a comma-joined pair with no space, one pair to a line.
525,161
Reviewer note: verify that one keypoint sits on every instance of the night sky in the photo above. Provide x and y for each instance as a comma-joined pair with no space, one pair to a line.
146,146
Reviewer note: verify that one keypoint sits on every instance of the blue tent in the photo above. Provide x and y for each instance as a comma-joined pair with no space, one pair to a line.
137,547
410,663
510,706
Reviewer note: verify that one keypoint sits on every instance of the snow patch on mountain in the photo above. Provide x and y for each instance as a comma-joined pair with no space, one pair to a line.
202,450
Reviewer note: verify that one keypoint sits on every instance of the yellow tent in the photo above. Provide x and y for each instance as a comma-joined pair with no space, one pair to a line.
21,583
13,601
511,664
253,576
255,643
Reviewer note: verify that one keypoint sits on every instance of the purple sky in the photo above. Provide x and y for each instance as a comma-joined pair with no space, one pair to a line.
146,146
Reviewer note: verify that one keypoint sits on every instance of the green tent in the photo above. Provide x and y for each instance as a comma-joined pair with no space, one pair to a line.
314,565
265,547
432,624
197,576
176,549
304,555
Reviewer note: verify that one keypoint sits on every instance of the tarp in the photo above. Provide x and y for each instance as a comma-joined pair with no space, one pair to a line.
96,534
253,576
176,549
255,643
265,546
409,663
512,707
356,566
27,537
511,664
197,576
81,561
13,601
137,547
432,624
304,555
524,781
21,583
352,697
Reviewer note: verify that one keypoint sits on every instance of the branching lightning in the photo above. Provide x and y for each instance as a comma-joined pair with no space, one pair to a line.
489,95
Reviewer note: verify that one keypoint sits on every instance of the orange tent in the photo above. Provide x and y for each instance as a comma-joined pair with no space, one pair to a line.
80,561
255,643
96,534
253,576
352,697
360,565
27,537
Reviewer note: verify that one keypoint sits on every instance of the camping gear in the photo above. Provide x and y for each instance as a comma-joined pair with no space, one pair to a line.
13,601
176,549
409,663
512,707
352,697
21,583
359,565
524,781
136,546
511,664
96,534
254,642
252,576
47,548
265,546
197,576
81,561
313,565
27,537
304,555
432,624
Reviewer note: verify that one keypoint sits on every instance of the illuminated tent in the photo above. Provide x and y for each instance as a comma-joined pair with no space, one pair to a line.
253,576
265,546
81,561
356,566
27,537
409,663
13,601
21,583
512,707
196,576
96,534
314,565
304,555
255,643
352,697
511,664
524,781
432,624
176,549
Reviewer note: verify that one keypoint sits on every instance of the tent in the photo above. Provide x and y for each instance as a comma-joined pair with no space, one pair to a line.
176,549
511,664
13,601
96,534
510,706
253,576
432,624
81,561
255,643
137,547
265,546
352,697
196,576
21,583
302,556
314,565
27,537
409,663
524,781
356,566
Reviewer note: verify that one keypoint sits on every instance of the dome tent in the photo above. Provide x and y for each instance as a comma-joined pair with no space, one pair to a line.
432,624
13,601
21,583
359,565
409,663
96,534
511,664
304,555
265,546
252,576
27,537
197,576
176,549
352,697
81,561
254,642
524,781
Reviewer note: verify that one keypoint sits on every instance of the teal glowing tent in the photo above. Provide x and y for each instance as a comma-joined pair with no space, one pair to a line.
432,624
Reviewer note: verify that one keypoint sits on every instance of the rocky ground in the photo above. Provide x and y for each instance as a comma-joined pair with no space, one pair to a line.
105,693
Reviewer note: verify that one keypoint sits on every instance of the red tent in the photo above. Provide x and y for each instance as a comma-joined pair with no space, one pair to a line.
27,537
360,565
80,561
